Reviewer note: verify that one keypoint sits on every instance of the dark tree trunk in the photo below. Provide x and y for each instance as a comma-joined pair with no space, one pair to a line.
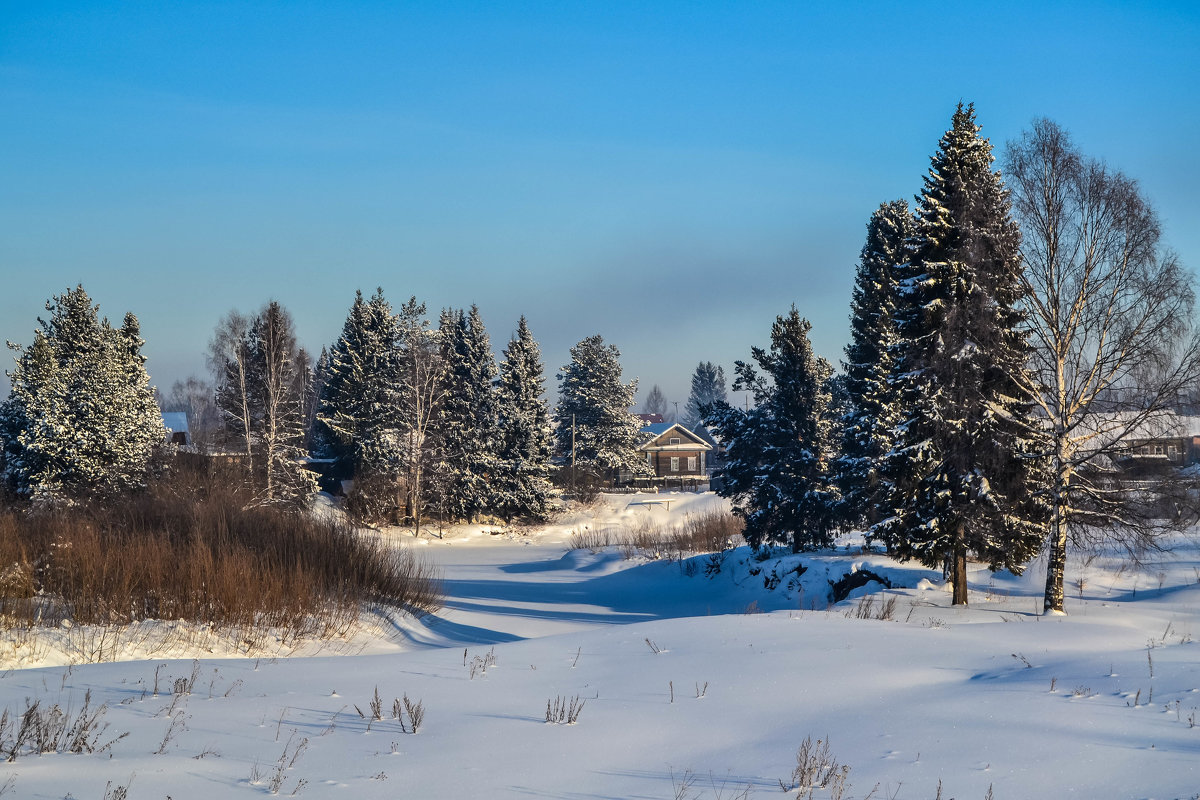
958,567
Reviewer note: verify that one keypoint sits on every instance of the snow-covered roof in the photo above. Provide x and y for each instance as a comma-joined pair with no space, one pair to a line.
1136,426
175,421
654,432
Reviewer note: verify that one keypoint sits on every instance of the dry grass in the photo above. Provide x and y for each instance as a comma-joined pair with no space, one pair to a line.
705,532
190,550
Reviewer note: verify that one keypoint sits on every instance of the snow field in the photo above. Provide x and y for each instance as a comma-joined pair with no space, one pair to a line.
992,695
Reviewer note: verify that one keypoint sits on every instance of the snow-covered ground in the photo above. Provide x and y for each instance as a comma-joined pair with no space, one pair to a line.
692,685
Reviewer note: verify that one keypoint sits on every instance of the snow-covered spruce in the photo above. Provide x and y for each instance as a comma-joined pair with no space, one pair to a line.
708,387
521,484
960,477
778,452
593,406
80,419
466,426
872,413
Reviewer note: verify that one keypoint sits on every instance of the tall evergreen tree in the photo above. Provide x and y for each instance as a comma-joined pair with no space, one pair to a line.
359,400
593,406
708,387
872,413
777,453
522,480
466,424
961,476
319,439
80,419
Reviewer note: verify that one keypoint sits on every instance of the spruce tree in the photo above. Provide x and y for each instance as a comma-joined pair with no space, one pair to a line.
777,453
80,420
593,406
708,387
522,479
358,410
872,408
466,423
961,477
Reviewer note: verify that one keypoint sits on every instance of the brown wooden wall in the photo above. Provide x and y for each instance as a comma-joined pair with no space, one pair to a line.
662,463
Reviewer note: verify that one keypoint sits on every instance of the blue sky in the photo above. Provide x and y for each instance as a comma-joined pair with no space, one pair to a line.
669,175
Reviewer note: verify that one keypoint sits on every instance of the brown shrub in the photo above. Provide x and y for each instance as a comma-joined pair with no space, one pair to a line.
189,549
704,532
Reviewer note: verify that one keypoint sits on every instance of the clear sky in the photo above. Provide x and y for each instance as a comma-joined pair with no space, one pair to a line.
669,175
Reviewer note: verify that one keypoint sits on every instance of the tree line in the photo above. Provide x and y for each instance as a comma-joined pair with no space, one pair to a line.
420,419
1008,344
1010,338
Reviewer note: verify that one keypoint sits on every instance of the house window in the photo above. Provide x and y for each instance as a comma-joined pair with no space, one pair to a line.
674,463
674,440
691,463
650,459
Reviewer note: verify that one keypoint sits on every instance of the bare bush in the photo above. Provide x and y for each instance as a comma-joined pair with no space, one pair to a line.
561,711
415,712
867,608
189,548
816,768
54,730
700,533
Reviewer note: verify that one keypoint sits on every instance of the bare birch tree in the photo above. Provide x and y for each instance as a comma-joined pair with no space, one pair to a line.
421,393
228,360
276,392
1110,314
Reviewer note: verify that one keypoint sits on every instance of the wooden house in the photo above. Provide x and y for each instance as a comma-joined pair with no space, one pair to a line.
1173,441
674,452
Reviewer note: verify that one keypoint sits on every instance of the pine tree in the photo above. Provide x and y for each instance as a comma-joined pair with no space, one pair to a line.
708,387
522,480
872,410
777,453
466,424
81,419
319,439
358,409
594,406
961,477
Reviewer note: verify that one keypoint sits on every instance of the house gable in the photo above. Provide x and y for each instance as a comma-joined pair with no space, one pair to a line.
663,436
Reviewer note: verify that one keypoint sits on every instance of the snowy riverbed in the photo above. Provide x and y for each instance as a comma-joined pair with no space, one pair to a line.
713,680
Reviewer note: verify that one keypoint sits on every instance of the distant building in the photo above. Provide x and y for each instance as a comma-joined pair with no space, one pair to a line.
651,419
1172,441
674,452
176,424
